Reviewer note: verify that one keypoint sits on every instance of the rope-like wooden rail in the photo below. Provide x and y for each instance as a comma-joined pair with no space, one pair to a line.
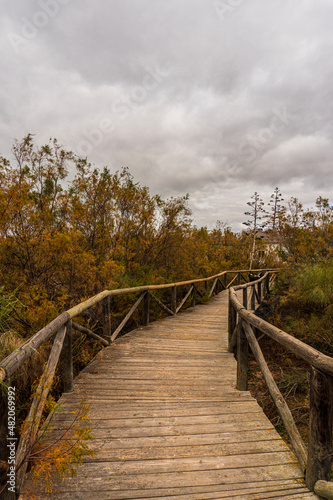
316,461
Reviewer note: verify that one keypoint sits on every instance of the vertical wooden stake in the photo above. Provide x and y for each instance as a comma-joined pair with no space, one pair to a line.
146,302
245,297
320,428
67,359
174,298
259,292
232,319
193,296
242,357
225,281
267,285
107,318
253,298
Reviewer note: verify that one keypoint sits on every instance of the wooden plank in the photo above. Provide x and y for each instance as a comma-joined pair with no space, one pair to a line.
243,491
115,470
107,452
98,479
167,421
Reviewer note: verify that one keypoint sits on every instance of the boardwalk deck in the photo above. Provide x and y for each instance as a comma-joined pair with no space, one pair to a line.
169,424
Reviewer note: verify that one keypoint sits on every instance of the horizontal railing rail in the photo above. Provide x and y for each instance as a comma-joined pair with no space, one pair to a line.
243,327
61,329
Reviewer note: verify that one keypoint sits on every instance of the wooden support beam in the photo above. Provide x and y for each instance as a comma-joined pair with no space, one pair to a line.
233,342
146,303
259,285
32,422
242,358
107,331
184,300
67,359
245,297
231,282
86,331
232,319
278,399
174,298
222,285
213,287
193,296
127,317
253,298
320,428
163,306
266,285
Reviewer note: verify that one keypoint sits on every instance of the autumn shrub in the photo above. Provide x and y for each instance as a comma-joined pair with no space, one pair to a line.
55,453
304,303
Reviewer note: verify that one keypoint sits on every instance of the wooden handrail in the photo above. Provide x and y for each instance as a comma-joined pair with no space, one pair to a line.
307,353
11,363
316,462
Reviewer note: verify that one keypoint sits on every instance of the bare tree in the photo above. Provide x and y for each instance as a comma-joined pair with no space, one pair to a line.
278,211
255,224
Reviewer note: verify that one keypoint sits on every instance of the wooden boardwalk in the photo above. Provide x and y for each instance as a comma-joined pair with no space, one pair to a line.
169,424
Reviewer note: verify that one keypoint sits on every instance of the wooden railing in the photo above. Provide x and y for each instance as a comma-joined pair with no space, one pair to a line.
316,459
61,330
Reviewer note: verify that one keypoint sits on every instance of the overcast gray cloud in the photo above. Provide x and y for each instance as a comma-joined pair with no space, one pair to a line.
215,98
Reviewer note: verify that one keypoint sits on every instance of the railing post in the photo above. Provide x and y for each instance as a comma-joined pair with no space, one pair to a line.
320,428
193,296
174,298
225,281
259,292
267,285
107,318
67,359
239,278
245,297
242,357
232,319
253,298
146,302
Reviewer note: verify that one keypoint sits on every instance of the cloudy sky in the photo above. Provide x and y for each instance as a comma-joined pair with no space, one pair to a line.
215,98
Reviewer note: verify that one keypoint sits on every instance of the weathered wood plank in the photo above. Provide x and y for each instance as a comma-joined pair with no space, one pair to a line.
107,452
98,480
241,491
